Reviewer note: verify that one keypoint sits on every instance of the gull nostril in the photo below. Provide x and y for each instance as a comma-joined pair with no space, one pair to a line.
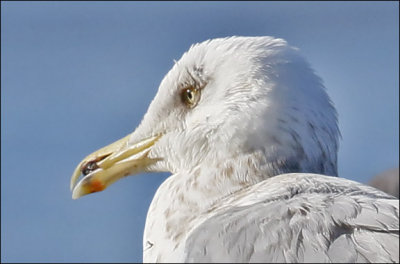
89,167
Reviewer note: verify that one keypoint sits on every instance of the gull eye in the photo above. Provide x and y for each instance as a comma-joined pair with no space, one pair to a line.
190,96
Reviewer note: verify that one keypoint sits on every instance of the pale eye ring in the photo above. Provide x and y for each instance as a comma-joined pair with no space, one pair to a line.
190,96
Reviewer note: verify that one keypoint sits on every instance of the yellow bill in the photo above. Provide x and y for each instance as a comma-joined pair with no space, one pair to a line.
109,164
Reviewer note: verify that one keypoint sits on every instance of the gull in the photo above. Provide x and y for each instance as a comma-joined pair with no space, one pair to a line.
250,136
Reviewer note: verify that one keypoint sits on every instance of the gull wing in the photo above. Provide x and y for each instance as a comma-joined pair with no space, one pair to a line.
299,218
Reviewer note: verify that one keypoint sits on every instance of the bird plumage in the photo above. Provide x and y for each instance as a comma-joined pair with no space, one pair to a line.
250,136
299,218
263,113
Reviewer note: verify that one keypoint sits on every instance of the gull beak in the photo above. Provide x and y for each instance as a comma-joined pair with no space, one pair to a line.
111,163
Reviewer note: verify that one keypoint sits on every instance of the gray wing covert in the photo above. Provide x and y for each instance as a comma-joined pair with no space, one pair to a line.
304,226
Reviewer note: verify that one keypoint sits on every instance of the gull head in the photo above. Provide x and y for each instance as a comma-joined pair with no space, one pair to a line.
228,103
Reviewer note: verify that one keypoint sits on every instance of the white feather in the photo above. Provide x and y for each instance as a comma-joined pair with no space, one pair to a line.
243,186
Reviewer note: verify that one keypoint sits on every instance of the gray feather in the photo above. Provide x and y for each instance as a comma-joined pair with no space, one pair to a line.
314,219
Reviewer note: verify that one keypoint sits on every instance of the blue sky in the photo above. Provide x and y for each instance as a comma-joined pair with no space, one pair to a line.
79,75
